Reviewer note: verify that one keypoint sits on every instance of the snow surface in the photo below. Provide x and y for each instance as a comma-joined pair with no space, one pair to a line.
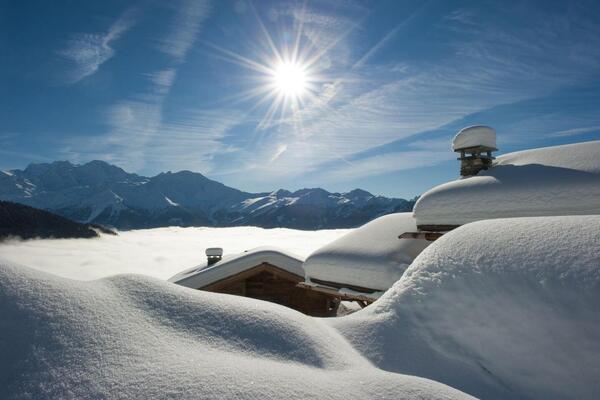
371,256
560,180
171,202
135,337
500,309
160,252
202,275
473,136
514,316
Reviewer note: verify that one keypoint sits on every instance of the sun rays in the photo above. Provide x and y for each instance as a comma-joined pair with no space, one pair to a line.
285,78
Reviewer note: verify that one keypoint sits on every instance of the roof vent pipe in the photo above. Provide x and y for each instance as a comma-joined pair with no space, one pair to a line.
214,255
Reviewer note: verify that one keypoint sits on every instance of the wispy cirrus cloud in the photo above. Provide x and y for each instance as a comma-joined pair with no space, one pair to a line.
576,131
384,163
86,52
381,104
187,22
138,138
162,80
139,133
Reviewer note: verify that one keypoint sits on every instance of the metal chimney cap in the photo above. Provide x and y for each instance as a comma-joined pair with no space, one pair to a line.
214,252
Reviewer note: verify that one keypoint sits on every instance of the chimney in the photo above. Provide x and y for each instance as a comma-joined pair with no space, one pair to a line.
213,255
475,145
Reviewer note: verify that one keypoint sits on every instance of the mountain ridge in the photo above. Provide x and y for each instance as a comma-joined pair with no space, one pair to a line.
25,222
102,193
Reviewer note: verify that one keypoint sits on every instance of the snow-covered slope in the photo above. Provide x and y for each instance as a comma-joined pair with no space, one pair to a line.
560,180
131,337
371,256
501,309
105,194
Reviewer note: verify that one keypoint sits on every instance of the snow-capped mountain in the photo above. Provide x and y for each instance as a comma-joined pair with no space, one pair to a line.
102,193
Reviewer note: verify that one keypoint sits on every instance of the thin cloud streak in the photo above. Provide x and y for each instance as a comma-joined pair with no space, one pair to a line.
139,134
385,163
163,80
88,51
389,36
576,131
184,29
494,69
139,138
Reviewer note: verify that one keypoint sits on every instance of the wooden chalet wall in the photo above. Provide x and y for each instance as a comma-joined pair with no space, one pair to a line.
270,283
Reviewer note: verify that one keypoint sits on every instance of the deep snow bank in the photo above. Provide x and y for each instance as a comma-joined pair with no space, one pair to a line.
501,309
135,337
371,256
559,180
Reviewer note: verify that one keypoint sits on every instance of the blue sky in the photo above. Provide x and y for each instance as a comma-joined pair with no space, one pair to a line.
154,86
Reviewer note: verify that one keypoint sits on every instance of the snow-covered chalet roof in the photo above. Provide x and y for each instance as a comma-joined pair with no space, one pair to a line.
203,275
474,136
370,257
501,309
559,180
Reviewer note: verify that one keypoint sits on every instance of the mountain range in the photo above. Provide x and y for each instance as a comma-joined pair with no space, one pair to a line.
101,193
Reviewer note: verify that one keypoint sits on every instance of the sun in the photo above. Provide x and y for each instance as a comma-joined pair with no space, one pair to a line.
287,77
290,79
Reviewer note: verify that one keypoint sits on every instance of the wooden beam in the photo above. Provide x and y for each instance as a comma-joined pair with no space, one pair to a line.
436,228
335,293
430,236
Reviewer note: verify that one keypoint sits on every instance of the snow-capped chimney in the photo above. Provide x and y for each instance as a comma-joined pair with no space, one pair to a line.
214,255
475,145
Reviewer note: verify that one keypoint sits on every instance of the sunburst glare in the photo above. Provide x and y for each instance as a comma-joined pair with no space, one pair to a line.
290,79
290,75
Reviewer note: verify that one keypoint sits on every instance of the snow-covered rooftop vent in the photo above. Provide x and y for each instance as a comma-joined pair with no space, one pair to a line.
475,145
214,255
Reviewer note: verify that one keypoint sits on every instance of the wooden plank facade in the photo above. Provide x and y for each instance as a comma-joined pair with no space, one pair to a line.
270,283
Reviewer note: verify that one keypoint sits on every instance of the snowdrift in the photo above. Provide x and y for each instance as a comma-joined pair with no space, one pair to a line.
135,337
501,309
371,256
559,180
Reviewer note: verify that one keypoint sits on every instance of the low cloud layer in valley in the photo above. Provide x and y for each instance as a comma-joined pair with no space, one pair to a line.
160,252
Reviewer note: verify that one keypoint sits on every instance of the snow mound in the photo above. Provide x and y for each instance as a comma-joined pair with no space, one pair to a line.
371,256
134,337
560,180
474,136
501,309
232,264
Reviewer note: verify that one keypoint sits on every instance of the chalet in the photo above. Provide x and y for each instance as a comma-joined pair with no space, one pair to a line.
558,180
361,265
263,273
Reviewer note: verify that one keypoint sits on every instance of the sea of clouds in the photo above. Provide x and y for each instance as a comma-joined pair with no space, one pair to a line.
160,252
